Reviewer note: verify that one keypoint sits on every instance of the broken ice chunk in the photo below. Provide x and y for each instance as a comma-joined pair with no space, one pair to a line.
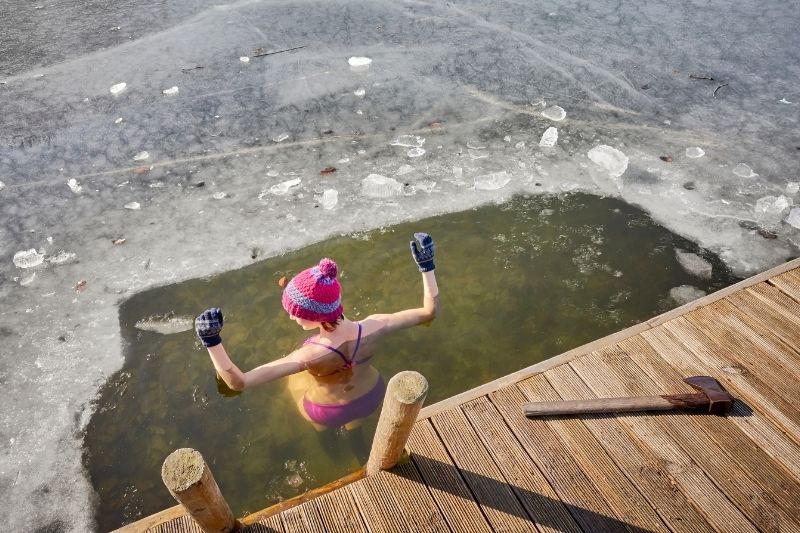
28,258
73,185
360,92
358,64
794,218
330,197
2,185
118,88
165,324
119,119
493,181
769,210
27,280
426,186
520,144
416,152
609,159
172,91
283,187
62,258
694,152
280,137
408,141
244,59
133,206
141,156
377,186
555,113
791,188
744,171
404,169
549,137
219,195
694,264
684,294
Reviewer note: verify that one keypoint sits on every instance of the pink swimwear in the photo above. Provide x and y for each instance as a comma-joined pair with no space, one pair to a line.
336,415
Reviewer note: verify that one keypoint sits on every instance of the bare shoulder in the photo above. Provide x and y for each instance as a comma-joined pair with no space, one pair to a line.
374,324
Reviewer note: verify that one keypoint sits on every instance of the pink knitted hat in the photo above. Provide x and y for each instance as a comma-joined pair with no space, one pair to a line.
314,294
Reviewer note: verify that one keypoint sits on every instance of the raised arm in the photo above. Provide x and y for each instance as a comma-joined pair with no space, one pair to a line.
208,327
422,250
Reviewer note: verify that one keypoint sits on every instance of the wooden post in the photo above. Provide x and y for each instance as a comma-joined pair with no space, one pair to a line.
405,395
190,481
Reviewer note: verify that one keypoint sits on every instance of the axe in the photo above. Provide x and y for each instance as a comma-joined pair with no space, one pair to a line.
712,397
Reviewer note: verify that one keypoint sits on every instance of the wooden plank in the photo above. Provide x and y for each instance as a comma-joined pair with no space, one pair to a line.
531,488
746,386
444,480
339,512
267,524
766,435
414,499
749,350
619,492
777,485
635,459
770,309
758,333
181,524
302,519
377,505
732,477
583,500
306,496
490,489
684,471
788,283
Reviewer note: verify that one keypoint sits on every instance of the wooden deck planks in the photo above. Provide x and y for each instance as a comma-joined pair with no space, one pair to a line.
634,458
789,283
452,495
339,512
378,506
724,368
269,524
699,488
733,477
583,500
775,482
498,502
620,494
754,424
535,494
750,353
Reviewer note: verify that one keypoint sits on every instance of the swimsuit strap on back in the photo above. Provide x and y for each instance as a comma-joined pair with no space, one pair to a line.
348,363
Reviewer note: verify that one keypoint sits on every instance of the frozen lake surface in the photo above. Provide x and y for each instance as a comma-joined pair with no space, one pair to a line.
217,152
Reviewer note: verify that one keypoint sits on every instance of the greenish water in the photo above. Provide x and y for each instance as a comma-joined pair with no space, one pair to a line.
520,282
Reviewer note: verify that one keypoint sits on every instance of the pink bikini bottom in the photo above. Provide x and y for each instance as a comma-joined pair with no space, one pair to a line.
336,415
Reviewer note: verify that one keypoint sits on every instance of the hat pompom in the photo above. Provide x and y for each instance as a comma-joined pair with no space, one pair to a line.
328,268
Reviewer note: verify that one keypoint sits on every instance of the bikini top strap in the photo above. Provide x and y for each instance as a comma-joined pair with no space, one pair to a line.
331,348
358,343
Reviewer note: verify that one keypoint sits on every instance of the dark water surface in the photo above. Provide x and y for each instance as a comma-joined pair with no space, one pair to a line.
520,282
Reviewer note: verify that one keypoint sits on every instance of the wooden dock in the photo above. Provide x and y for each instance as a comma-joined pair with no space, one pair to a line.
477,464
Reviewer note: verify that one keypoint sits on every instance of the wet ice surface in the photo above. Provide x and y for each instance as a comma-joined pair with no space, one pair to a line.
462,77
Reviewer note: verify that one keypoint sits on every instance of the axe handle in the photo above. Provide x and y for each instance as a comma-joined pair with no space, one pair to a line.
617,405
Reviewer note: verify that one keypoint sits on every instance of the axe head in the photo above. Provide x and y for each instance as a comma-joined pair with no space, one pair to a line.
719,400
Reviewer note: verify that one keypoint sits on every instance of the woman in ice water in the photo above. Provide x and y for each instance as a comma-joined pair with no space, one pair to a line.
330,377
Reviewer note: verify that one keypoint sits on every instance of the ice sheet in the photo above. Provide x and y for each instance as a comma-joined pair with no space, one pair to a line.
462,76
